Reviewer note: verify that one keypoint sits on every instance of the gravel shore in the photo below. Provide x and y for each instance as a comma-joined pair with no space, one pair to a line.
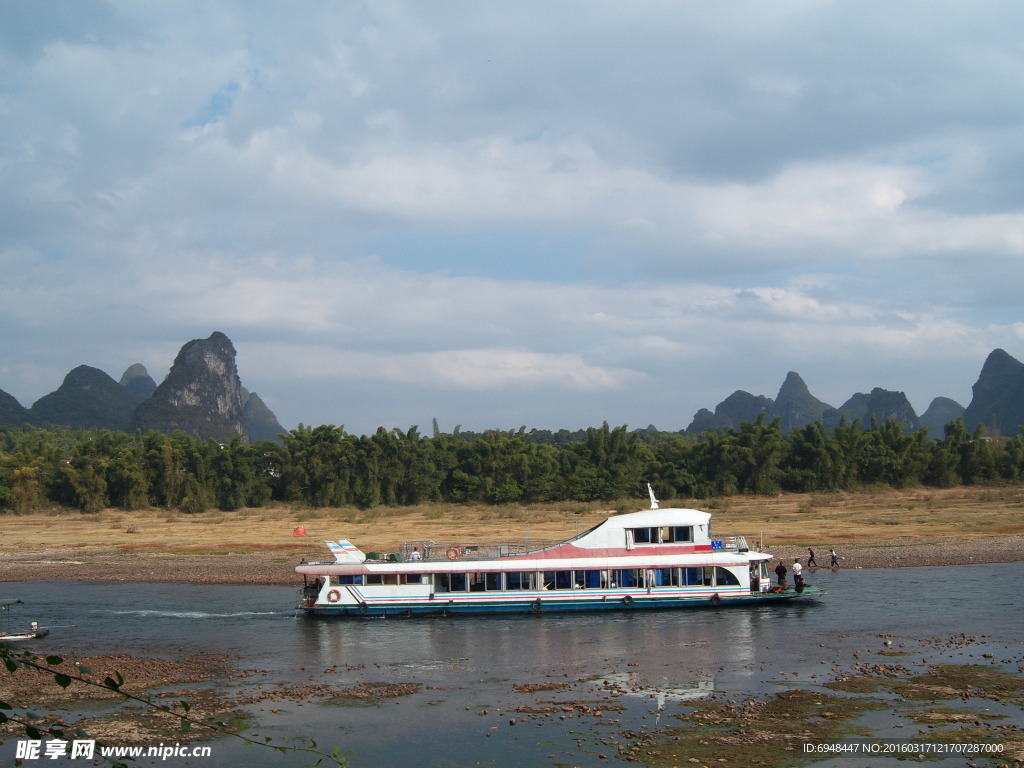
109,564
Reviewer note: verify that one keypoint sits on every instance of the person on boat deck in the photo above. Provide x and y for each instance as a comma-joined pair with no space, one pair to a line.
780,571
811,562
798,579
414,555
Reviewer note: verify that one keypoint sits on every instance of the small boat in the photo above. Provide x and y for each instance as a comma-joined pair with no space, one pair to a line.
8,635
653,559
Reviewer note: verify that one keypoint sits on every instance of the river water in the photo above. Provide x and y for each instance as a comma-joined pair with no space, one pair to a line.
468,667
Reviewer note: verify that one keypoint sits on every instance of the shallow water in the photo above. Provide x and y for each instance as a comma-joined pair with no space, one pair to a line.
467,667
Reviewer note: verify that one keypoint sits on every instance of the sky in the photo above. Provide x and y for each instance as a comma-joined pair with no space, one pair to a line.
501,214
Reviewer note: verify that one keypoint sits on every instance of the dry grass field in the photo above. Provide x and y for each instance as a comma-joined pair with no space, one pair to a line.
788,520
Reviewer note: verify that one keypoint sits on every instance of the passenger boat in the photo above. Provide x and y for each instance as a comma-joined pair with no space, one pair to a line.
657,558
8,635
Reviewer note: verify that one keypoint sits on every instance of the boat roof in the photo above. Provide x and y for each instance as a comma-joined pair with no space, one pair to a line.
657,518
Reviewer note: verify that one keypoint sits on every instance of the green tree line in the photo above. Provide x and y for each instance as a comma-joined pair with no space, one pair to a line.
326,466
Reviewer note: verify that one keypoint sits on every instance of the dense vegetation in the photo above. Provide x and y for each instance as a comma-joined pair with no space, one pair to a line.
325,466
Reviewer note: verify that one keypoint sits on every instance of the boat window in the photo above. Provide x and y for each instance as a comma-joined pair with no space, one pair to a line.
589,579
374,579
627,577
669,534
517,580
663,577
557,579
450,582
345,579
677,533
492,581
694,576
643,535
457,582
726,577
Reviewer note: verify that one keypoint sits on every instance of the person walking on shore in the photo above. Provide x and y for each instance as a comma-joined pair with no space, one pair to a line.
811,562
835,560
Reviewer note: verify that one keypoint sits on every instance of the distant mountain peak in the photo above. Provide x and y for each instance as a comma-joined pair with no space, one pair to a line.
998,401
88,397
201,394
263,424
940,412
13,412
795,405
138,382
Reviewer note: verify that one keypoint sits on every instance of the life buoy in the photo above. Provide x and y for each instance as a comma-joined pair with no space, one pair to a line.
453,553
716,600
333,596
628,600
363,609
535,605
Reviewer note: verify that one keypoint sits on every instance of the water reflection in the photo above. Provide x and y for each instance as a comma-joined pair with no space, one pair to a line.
656,646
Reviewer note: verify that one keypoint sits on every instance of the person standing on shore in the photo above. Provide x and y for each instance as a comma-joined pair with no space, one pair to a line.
811,562
780,571
835,560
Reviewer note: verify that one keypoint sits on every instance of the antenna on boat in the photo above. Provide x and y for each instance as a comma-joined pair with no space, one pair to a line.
654,501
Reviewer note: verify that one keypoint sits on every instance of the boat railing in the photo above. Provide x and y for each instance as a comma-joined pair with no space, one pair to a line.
434,551
730,543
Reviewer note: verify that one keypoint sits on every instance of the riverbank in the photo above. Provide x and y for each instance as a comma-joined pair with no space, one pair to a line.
868,529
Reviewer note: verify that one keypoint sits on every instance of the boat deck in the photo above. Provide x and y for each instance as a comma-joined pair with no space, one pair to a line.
438,552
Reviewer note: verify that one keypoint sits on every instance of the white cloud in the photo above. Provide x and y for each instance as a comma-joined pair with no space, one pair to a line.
468,207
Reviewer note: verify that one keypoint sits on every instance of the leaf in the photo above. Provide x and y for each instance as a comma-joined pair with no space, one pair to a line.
85,670
62,680
186,725
111,683
54,659
185,706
